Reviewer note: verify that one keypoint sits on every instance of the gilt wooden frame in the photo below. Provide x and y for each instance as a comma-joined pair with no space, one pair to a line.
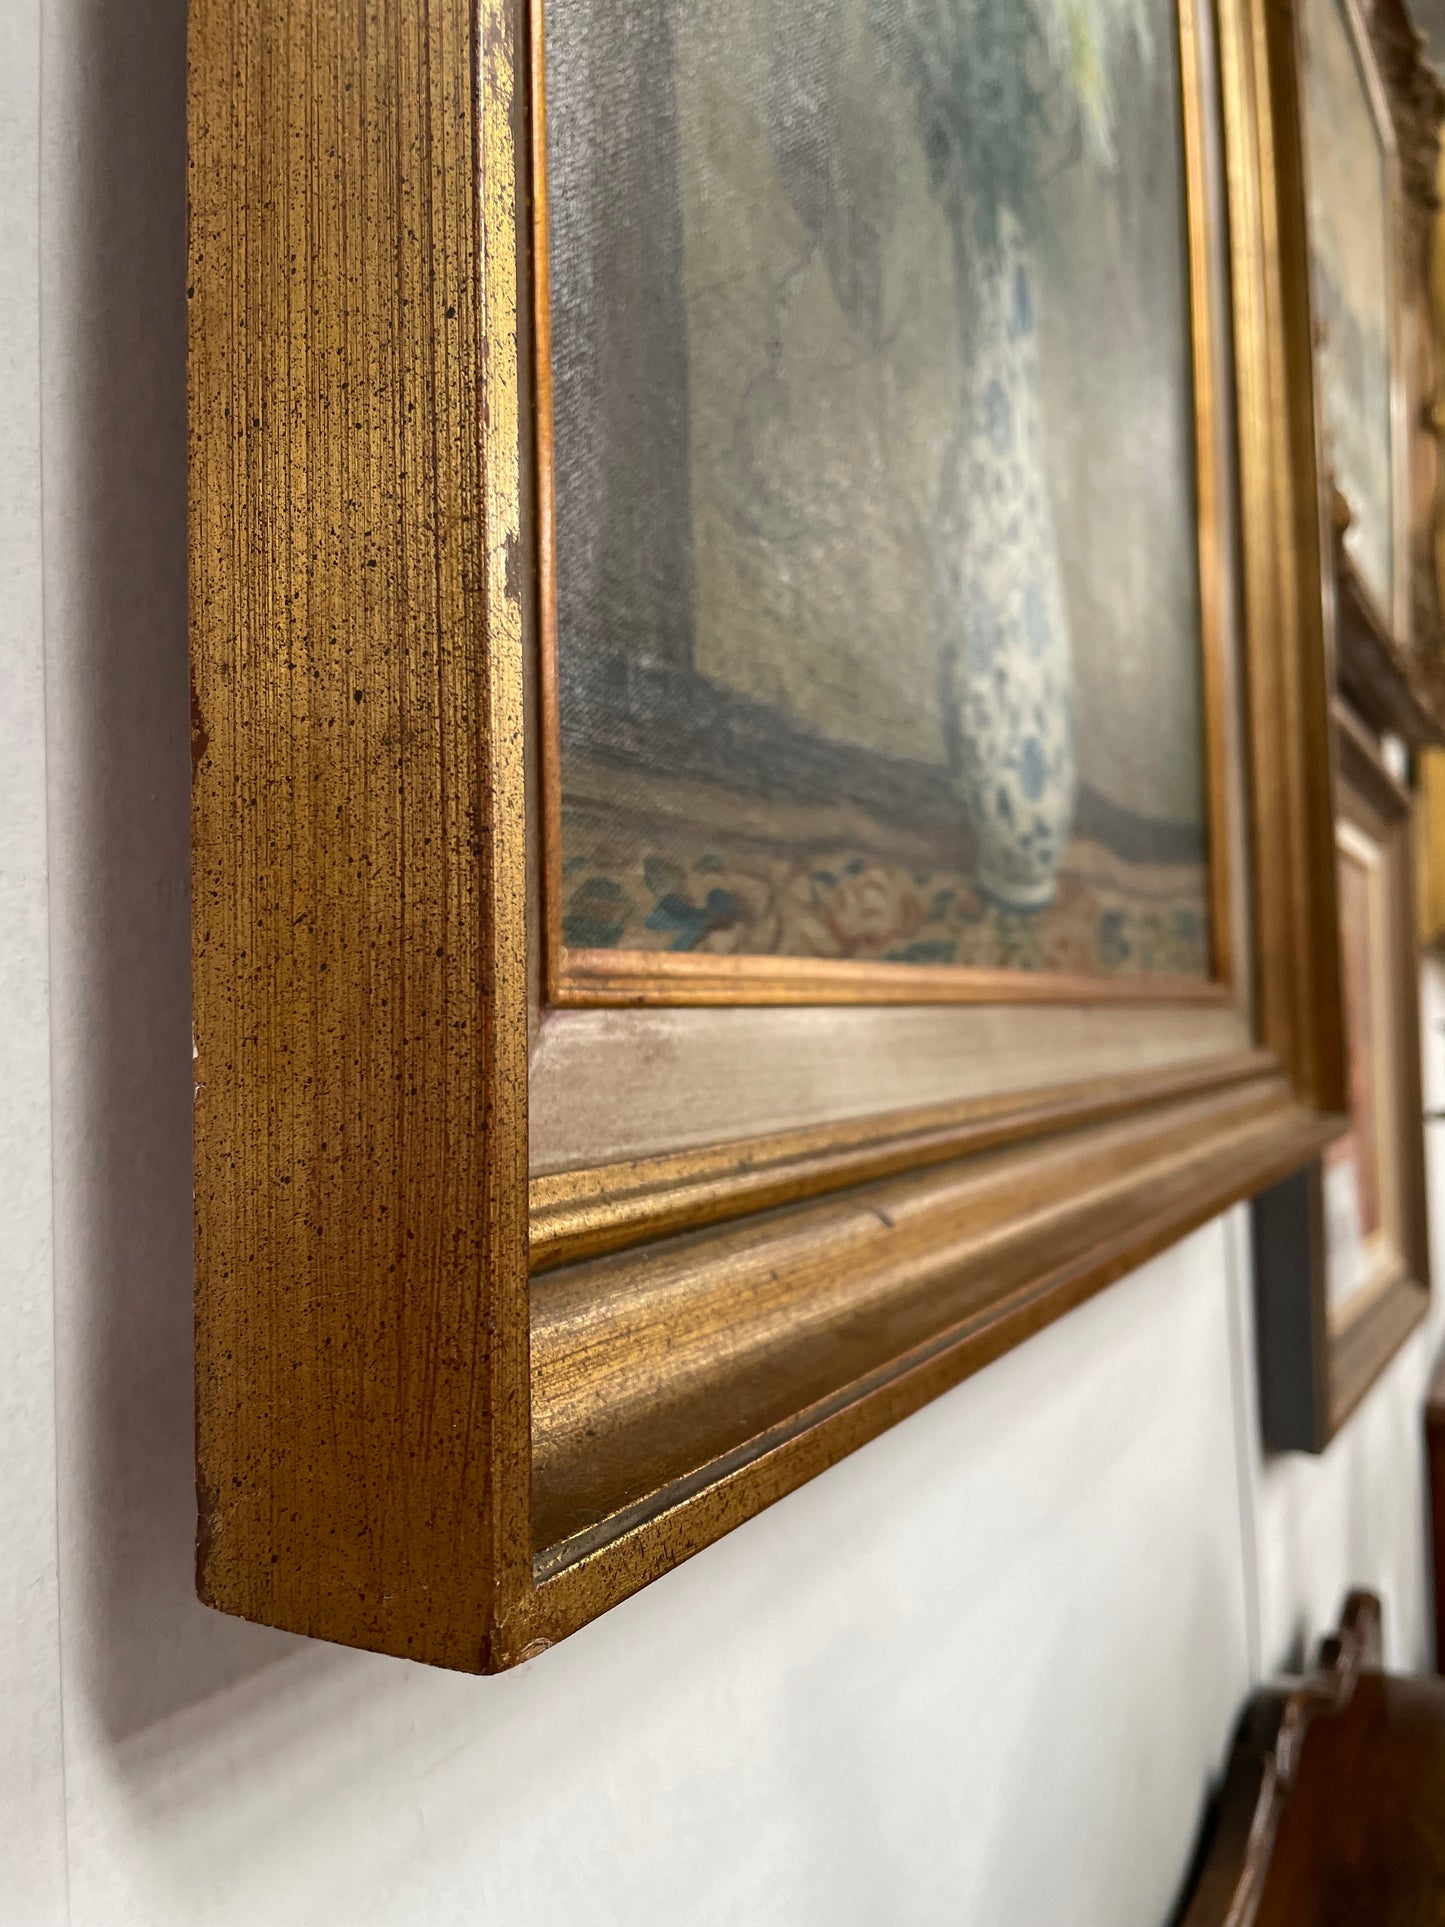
1430,851
404,1441
1317,1364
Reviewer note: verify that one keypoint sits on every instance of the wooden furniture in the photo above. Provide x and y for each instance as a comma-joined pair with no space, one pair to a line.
1333,1807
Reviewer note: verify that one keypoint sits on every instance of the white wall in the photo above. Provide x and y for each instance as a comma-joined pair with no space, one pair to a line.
983,1672
32,1814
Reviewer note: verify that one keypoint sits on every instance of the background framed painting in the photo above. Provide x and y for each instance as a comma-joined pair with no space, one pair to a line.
1353,174
722,903
1342,1249
1372,108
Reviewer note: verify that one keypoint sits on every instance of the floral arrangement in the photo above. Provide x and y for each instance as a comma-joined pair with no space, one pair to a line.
991,76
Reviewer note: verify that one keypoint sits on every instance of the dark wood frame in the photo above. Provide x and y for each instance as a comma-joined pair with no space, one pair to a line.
1314,1371
1435,1497
405,1442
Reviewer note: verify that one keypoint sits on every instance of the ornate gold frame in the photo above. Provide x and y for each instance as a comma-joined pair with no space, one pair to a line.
405,1442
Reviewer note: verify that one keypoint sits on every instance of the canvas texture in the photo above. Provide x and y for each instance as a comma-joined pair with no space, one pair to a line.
879,630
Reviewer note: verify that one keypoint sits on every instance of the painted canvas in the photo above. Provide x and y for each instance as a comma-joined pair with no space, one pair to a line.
1353,1173
879,628
1349,218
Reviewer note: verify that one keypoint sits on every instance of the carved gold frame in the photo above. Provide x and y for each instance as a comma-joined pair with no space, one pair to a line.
441,1414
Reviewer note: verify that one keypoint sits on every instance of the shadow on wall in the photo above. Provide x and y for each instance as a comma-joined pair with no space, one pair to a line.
113,214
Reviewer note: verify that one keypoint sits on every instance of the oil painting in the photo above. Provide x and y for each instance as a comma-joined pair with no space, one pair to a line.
879,629
1349,174
1358,1239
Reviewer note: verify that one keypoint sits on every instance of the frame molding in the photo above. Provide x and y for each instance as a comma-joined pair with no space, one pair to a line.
390,1420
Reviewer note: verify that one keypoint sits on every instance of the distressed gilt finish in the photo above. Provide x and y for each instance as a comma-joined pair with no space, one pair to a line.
358,862
588,1212
382,1460
668,1407
1297,978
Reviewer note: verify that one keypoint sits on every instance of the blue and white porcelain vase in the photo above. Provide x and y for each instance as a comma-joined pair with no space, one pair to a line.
1012,680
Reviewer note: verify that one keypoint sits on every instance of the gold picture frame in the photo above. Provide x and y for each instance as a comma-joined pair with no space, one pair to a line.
1342,1249
1430,850
503,1309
